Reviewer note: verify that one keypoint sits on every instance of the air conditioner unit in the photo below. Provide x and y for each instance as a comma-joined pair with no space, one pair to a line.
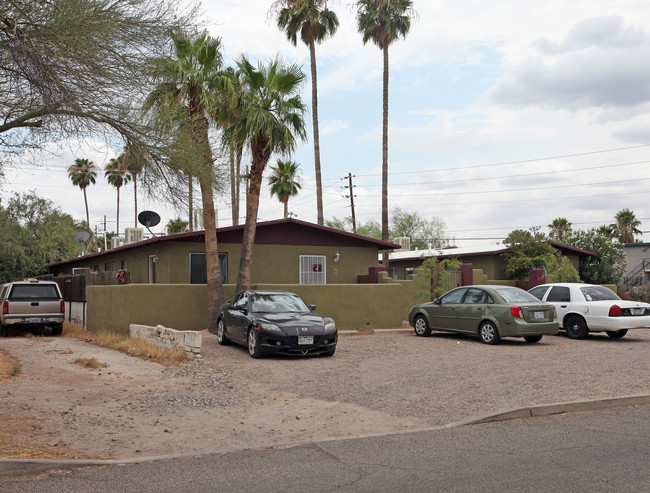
117,241
133,235
404,242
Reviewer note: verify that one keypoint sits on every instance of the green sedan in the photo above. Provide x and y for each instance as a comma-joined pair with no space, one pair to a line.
489,312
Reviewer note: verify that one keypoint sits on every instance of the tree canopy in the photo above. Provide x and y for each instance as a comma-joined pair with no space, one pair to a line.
35,234
527,250
608,266
78,67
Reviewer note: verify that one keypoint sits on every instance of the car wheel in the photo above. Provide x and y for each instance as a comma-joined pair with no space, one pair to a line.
488,333
4,331
576,327
254,344
221,333
57,330
616,334
532,338
421,326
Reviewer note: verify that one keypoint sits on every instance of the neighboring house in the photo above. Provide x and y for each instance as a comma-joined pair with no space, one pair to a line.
487,258
637,268
286,251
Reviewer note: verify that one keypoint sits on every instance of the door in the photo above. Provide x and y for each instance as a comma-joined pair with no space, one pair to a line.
472,310
237,317
444,315
560,298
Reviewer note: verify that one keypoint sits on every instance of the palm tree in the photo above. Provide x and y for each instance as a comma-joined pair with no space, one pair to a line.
383,22
315,22
133,162
188,82
116,175
177,225
626,226
559,228
271,116
284,182
83,173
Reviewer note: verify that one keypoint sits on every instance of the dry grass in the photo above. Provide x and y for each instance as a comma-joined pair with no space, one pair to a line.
9,366
91,363
133,347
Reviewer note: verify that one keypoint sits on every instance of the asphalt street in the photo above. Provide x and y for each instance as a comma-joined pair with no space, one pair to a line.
598,451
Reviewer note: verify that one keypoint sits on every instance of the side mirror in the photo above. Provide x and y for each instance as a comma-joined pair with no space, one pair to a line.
437,301
312,307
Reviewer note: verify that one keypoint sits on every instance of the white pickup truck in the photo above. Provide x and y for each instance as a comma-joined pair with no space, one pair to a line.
28,304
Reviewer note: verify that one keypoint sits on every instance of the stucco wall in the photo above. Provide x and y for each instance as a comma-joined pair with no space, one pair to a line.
273,263
184,307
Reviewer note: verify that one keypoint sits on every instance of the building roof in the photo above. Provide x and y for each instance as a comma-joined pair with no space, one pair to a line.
278,232
476,250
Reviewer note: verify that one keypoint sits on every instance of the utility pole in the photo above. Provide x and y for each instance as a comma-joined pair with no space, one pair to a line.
351,196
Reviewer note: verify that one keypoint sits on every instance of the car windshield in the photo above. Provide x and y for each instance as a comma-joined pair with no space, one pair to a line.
598,293
278,303
516,295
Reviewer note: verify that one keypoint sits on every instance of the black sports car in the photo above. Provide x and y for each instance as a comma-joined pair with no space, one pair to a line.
276,322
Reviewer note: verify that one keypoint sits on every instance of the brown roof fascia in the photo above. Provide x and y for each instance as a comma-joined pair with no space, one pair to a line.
280,232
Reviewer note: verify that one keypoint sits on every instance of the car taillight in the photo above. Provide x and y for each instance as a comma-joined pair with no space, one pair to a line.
554,312
5,308
516,312
615,311
62,306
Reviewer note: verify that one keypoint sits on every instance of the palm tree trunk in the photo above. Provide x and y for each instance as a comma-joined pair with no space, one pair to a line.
213,270
135,200
286,208
191,201
314,112
118,212
260,158
87,214
240,150
233,179
384,163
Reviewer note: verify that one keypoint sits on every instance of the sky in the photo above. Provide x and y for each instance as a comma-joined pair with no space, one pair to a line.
503,115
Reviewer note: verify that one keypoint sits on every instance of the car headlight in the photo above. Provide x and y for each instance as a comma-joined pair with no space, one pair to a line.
330,327
268,327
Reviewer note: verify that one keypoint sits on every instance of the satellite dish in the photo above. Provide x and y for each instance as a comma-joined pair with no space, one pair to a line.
148,219
81,237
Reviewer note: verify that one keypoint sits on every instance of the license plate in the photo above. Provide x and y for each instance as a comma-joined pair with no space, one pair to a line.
305,340
539,315
637,311
34,320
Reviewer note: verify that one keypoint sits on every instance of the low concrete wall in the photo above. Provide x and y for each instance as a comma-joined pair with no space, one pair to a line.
189,341
184,306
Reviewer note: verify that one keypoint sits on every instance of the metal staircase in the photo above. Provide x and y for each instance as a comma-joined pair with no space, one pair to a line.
638,276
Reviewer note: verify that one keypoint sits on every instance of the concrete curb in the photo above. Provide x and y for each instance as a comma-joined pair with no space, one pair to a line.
19,467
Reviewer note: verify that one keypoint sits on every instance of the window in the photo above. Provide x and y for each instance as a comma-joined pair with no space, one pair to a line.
474,296
559,293
539,292
124,265
198,268
312,269
392,273
453,297
109,267
241,302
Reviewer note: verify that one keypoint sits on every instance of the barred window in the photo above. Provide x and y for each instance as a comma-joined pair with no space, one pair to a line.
312,269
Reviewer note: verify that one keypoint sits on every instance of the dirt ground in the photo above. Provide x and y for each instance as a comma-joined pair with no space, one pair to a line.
375,382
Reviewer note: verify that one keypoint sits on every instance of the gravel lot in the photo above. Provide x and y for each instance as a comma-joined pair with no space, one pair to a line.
376,382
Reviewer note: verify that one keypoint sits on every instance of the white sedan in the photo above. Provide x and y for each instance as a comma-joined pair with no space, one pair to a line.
584,308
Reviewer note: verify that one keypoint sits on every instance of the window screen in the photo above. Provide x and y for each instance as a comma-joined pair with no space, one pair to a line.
312,269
